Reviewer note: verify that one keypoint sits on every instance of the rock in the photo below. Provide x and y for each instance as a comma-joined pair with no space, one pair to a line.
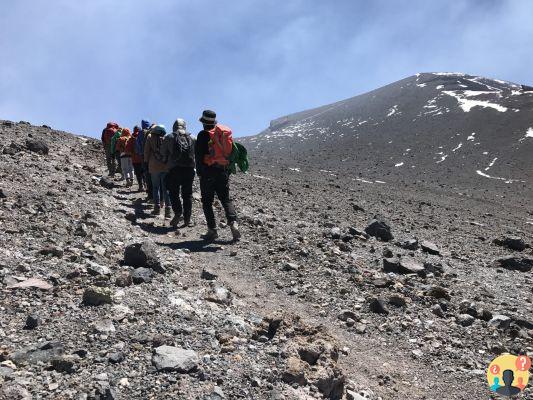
219,295
64,364
438,292
408,244
360,233
430,247
387,253
107,183
104,326
511,242
124,279
142,275
37,146
216,394
391,265
290,267
438,311
330,382
208,275
116,358
465,320
42,352
500,321
382,282
52,251
397,300
403,266
294,372
335,233
169,358
96,296
95,269
377,306
3,194
380,229
32,322
33,283
143,255
14,391
522,264
345,314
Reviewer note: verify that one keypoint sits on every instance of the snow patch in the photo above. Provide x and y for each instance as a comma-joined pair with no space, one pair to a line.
392,110
529,134
295,169
458,147
421,84
491,163
497,178
261,177
398,165
471,137
467,104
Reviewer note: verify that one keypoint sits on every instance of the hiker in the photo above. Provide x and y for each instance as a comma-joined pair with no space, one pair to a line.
114,152
179,151
125,154
139,145
136,158
213,148
157,166
107,134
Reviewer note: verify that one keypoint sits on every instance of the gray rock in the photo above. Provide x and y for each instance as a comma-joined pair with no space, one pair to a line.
104,326
500,321
335,233
377,306
143,255
408,244
37,146
142,275
95,269
208,275
96,296
465,320
397,300
219,295
32,322
380,229
43,352
438,311
107,183
522,264
512,242
403,266
430,247
13,391
438,292
345,314
124,279
169,358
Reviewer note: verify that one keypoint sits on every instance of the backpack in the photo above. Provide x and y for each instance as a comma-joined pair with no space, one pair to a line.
183,152
157,148
238,158
108,135
220,146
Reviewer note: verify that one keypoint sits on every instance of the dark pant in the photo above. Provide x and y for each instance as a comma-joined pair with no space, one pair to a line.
216,181
148,180
139,173
110,160
181,178
117,160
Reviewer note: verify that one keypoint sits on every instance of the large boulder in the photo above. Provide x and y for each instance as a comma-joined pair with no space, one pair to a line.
40,353
143,255
37,146
96,296
379,228
511,242
523,264
169,358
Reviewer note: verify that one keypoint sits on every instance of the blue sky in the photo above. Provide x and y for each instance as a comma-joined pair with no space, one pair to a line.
75,65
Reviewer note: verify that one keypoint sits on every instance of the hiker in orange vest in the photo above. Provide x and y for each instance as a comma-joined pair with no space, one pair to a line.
214,145
125,155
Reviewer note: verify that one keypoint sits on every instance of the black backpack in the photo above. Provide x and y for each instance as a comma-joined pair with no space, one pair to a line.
183,154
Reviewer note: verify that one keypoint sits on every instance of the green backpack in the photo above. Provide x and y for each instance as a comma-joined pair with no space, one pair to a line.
238,157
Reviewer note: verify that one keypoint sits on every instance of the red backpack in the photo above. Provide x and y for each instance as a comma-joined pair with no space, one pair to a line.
220,146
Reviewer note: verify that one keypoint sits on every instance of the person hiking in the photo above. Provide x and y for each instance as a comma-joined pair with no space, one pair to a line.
125,154
213,147
136,158
179,151
157,166
139,145
114,152
107,134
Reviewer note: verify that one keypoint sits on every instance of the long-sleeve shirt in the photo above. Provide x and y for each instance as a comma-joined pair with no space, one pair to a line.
153,143
201,150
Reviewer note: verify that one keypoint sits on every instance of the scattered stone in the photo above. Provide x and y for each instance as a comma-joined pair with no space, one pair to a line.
52,251
124,279
438,292
522,264
142,275
335,233
32,322
511,242
37,146
294,372
116,358
465,320
380,229
219,295
64,364
208,275
33,283
500,321
377,306
42,352
143,255
438,311
107,183
104,326
95,269
169,358
96,296
397,300
430,248
408,244
13,391
345,314
403,266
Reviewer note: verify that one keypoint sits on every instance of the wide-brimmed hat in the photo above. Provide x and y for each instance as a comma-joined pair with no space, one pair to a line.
208,117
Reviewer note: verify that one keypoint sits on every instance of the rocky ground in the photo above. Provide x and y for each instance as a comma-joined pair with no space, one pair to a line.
340,289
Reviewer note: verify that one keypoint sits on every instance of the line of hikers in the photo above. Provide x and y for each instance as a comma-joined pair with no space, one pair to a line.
165,164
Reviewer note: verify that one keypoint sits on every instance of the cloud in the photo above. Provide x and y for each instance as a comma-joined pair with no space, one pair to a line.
76,65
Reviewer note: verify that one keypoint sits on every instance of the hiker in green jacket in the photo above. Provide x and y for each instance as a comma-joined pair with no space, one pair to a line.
114,151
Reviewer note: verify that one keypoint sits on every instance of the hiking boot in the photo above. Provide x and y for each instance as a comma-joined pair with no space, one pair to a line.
211,235
235,230
156,210
175,221
188,223
168,212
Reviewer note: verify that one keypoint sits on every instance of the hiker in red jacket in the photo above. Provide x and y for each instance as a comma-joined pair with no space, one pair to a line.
214,145
136,158
107,134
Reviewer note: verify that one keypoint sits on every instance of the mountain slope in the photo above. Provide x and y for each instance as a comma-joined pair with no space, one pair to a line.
430,129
